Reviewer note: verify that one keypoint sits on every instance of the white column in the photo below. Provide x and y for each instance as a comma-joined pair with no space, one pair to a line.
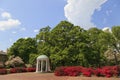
37,66
41,65
46,65
49,66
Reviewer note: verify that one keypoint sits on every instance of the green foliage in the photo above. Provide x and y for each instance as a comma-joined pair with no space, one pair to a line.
94,55
111,41
116,35
68,45
116,32
23,48
32,59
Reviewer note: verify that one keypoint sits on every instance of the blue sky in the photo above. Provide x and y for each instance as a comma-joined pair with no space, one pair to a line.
24,18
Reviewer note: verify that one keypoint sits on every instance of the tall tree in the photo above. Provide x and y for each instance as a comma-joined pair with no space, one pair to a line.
43,41
95,57
116,35
112,39
64,44
23,48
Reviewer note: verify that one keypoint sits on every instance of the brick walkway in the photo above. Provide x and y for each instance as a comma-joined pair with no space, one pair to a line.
47,76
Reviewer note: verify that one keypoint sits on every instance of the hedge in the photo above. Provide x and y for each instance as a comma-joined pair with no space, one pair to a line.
106,71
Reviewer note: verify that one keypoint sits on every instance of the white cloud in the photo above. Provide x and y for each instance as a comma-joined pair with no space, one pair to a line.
9,22
6,15
36,30
80,12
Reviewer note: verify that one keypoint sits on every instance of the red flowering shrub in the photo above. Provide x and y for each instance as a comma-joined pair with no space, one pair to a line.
107,71
68,71
3,71
72,71
116,70
87,72
30,69
17,70
59,71
97,72
13,70
24,69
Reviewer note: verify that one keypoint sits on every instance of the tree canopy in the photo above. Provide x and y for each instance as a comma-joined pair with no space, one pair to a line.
67,45
23,48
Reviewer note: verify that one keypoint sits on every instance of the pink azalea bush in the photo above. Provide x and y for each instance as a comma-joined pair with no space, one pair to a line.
14,62
107,71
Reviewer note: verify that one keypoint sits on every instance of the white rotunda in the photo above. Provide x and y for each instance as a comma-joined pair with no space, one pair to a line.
43,64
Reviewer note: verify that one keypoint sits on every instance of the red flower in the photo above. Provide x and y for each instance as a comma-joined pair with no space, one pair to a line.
13,70
107,71
3,71
30,69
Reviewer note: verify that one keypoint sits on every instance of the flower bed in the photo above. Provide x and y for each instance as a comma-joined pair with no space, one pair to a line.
107,71
3,71
16,70
30,69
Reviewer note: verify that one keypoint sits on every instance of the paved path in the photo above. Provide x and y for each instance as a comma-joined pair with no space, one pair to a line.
48,76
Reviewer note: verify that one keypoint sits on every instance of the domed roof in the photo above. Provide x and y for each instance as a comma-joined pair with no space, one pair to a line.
106,29
42,57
